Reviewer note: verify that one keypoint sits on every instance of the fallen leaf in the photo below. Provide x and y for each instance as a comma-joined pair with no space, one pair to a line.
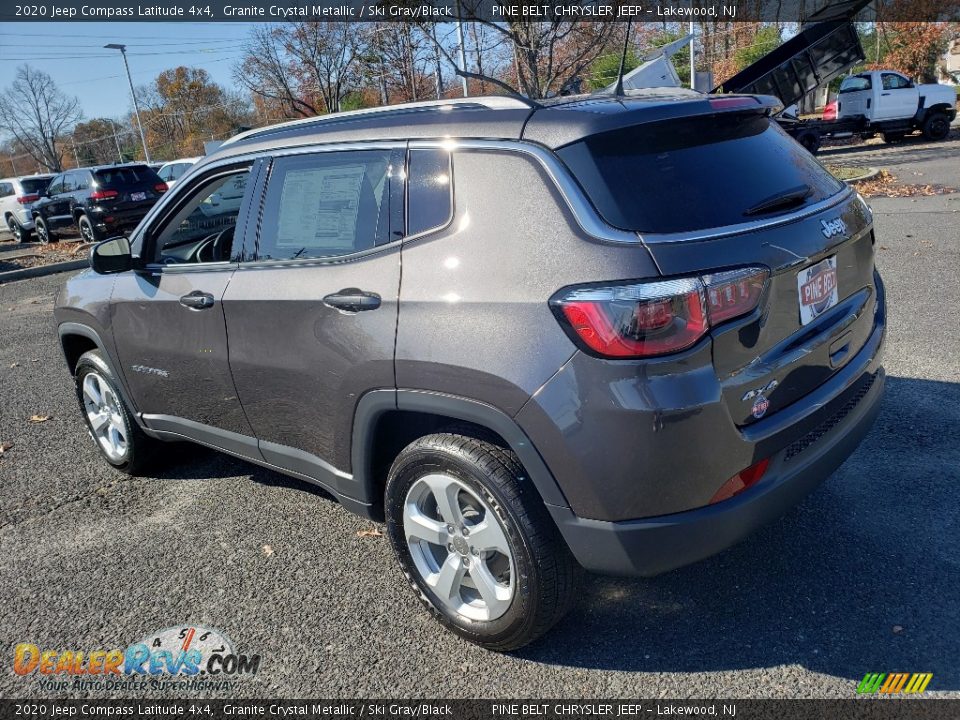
39,418
4,446
897,629
13,365
371,532
35,360
267,550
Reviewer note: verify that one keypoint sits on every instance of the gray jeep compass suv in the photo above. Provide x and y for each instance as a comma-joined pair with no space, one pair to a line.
616,333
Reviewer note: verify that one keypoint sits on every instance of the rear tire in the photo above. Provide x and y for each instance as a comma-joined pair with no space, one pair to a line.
936,126
16,229
88,231
110,423
503,576
44,236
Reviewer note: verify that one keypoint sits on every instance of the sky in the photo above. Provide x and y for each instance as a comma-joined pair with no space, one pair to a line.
72,54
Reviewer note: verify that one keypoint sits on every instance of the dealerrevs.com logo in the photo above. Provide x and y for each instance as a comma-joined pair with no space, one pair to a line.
183,657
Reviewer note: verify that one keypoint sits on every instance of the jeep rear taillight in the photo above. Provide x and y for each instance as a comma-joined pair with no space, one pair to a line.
104,194
646,319
27,199
160,187
732,294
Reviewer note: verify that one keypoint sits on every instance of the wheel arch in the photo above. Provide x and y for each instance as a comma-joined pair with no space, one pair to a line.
75,340
386,421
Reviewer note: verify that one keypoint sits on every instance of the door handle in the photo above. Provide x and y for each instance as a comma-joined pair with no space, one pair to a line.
884,94
197,300
352,300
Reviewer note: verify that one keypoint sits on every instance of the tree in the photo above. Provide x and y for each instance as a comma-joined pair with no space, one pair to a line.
305,67
37,114
99,141
604,70
184,107
547,58
915,48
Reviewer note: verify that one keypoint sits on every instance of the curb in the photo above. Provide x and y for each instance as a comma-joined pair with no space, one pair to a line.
39,271
870,174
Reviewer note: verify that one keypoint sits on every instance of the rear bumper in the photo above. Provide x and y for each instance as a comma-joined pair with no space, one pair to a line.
655,545
109,220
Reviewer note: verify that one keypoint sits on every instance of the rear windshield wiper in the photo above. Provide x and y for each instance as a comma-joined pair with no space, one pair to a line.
781,201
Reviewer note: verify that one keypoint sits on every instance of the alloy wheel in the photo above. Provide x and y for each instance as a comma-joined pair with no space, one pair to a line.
107,423
86,231
459,547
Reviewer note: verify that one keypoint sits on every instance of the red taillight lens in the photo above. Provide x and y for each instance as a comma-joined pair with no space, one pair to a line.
27,199
104,194
741,481
160,187
734,293
636,320
656,318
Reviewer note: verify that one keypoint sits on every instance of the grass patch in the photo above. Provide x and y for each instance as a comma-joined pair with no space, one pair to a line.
845,172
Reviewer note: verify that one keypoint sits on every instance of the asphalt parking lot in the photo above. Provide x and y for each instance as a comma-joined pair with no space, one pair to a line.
864,576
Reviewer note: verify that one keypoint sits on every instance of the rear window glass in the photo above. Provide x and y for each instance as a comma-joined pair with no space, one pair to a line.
35,185
132,175
693,174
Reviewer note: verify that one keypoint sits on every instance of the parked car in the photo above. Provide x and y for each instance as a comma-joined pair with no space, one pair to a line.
171,171
100,201
662,333
18,195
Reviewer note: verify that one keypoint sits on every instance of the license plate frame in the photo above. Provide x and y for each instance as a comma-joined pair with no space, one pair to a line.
138,196
817,289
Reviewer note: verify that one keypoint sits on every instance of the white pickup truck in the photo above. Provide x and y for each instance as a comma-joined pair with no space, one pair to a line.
894,105
884,102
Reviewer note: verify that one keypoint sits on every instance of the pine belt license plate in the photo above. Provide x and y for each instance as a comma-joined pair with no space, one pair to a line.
138,196
817,288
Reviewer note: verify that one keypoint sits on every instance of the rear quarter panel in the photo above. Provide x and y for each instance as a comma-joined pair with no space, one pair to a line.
474,317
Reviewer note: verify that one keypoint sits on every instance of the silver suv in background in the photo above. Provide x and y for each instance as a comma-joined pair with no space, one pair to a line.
612,333
18,195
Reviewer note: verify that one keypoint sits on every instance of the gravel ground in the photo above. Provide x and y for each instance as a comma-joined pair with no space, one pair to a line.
863,576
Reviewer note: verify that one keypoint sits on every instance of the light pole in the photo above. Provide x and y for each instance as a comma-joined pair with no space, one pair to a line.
136,106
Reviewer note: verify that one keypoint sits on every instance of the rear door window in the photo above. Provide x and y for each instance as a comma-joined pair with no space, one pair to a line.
694,173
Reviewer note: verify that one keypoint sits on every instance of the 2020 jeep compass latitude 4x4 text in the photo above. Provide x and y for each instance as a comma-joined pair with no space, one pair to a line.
607,333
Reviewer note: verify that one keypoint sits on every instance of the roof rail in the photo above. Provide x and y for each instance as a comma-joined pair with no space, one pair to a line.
490,102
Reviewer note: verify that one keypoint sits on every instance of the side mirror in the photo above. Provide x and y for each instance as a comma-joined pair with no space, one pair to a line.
111,256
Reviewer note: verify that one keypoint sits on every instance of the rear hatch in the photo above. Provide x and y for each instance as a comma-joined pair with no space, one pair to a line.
137,187
731,190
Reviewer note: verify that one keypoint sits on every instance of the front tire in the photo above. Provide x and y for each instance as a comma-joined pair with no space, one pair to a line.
476,543
88,230
936,127
44,236
110,423
19,234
